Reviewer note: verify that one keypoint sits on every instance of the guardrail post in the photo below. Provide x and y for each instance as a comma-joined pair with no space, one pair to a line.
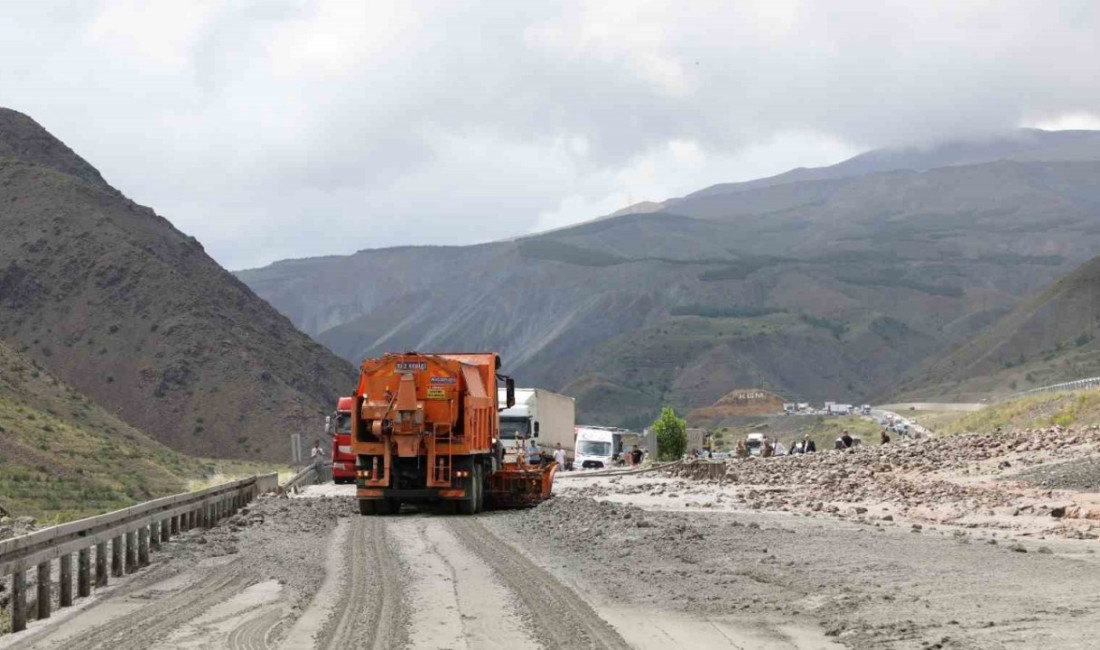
101,564
165,530
116,557
43,590
143,546
66,597
154,536
84,573
19,601
174,525
131,551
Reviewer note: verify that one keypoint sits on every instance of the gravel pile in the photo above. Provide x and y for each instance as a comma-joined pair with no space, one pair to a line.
1082,475
901,473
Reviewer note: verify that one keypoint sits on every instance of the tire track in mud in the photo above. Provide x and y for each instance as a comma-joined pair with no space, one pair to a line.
371,613
141,629
256,632
561,618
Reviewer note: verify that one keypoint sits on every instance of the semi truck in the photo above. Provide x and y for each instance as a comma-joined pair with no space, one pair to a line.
424,428
548,418
339,427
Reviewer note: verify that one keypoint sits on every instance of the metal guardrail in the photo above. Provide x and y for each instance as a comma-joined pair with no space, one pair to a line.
318,472
1079,384
130,533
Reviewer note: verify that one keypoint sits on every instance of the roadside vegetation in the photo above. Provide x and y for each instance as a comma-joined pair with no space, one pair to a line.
63,457
1077,408
671,434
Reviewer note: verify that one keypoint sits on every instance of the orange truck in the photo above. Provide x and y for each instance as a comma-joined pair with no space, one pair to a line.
343,459
424,428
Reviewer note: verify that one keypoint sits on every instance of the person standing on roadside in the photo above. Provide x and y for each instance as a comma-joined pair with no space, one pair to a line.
534,457
317,453
884,437
768,449
559,456
845,440
779,449
636,455
808,446
741,450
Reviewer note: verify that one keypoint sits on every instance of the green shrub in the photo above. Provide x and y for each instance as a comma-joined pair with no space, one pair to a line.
671,435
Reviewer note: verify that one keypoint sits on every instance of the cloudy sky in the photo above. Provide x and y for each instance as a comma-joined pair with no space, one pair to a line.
279,128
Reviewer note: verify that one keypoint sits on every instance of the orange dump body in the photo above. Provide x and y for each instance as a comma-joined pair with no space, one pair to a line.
423,428
439,409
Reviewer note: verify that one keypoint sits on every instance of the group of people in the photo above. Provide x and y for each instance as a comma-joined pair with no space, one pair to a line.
774,447
630,458
533,455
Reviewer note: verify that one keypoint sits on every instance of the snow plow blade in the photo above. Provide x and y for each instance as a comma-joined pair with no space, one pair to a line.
518,485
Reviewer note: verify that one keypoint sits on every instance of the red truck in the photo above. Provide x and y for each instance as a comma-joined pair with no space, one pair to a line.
343,458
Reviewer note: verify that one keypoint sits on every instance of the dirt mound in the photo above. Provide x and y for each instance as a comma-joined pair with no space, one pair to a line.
741,402
111,298
927,479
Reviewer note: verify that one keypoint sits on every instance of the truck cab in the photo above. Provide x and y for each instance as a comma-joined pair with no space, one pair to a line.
596,446
517,424
343,459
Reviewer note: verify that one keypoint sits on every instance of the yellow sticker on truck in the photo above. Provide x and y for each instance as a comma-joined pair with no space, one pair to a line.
436,393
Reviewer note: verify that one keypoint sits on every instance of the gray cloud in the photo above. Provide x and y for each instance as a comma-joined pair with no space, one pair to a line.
282,129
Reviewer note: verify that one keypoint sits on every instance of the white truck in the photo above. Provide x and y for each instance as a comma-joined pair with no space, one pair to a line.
548,418
838,409
597,446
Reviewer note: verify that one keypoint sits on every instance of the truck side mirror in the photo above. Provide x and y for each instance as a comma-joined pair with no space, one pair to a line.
510,391
536,429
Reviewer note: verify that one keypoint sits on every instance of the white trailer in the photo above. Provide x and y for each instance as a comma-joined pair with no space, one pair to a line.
548,418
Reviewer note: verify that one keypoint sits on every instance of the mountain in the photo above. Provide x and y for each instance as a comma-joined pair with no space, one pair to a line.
1022,145
821,289
1046,340
112,299
62,456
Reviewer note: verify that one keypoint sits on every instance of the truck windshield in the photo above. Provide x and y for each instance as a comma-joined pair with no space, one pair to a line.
512,428
593,448
343,423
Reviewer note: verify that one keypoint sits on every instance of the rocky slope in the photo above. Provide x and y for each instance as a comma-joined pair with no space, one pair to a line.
1048,339
818,289
108,296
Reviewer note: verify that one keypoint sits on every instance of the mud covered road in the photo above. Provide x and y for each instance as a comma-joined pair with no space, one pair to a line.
308,573
584,572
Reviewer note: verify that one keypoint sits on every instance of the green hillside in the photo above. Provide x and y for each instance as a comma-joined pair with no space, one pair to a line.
1049,339
63,457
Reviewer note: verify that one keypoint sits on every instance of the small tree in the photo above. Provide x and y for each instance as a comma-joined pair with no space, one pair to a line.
671,435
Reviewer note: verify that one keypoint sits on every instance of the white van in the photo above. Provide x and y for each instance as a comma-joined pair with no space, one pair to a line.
596,446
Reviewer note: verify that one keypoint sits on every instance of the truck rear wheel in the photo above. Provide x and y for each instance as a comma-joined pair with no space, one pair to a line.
472,505
479,486
366,507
